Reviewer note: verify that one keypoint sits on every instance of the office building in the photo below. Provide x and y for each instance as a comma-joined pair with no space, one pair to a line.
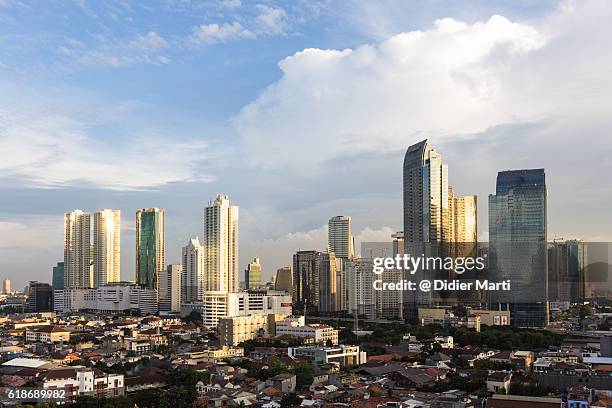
566,271
194,272
340,237
170,289
518,246
361,298
252,275
221,245
150,246
388,303
426,218
77,250
58,276
426,205
306,274
39,297
284,280
107,247
329,293
6,286
463,224
114,298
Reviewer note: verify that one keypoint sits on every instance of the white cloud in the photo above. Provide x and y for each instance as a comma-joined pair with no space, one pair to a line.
143,49
491,95
208,34
272,20
46,148
443,81
230,4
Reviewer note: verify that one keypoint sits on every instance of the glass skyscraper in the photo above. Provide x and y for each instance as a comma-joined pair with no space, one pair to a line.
150,246
252,275
518,247
427,218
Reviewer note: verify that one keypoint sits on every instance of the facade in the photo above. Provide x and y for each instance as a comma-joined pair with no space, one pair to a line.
362,299
114,298
6,286
315,333
170,289
47,334
252,275
40,297
566,271
306,275
342,355
426,204
329,290
58,276
284,280
236,329
217,305
221,245
150,246
84,381
463,224
193,279
388,303
214,355
107,247
340,239
518,246
77,250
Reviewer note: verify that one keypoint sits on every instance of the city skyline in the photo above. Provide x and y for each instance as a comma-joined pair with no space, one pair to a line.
87,149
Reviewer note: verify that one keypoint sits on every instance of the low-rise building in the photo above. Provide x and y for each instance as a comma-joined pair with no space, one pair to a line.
47,334
318,333
212,355
519,401
216,305
343,355
499,382
78,381
285,382
113,298
236,329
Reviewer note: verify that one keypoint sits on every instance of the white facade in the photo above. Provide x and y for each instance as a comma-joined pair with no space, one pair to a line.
296,326
236,329
112,298
170,289
343,355
107,247
77,250
6,286
362,299
216,305
221,245
84,381
340,236
194,272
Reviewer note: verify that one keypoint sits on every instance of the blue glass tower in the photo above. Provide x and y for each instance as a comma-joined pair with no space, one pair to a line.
518,247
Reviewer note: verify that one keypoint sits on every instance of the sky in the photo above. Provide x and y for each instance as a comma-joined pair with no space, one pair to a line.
298,110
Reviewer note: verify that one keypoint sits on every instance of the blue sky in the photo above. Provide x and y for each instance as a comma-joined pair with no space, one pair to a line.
298,110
